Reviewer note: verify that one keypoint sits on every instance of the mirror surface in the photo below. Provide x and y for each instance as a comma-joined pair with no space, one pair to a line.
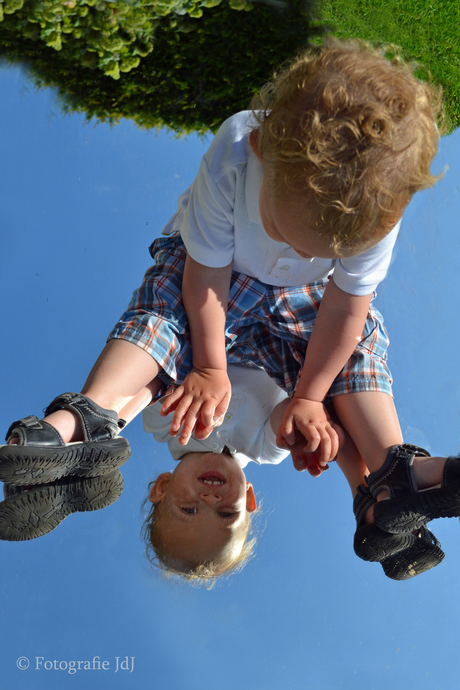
80,205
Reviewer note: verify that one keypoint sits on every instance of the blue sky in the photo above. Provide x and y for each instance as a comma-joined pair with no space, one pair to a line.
80,205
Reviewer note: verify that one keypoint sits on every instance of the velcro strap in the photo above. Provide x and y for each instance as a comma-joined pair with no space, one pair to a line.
31,431
451,471
97,423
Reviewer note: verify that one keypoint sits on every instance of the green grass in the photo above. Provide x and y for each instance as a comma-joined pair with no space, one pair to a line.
427,31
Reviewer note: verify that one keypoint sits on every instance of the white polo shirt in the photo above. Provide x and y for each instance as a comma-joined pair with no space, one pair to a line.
219,221
246,429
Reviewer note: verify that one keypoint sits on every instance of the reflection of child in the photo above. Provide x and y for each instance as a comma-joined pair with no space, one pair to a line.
202,511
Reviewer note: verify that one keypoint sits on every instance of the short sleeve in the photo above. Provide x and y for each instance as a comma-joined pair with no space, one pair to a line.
262,449
360,275
207,218
207,222
155,424
270,451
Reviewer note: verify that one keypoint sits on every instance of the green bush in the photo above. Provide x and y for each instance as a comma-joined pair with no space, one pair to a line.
186,70
116,32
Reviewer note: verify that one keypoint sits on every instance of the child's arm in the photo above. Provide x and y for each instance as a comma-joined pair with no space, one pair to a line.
337,331
206,391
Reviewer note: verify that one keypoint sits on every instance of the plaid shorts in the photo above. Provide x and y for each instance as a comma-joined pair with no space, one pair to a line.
267,327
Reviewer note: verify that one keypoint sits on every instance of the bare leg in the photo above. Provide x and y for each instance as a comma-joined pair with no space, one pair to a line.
354,470
122,372
351,465
372,422
140,401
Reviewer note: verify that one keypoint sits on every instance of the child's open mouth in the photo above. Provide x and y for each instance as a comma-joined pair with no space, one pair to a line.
212,478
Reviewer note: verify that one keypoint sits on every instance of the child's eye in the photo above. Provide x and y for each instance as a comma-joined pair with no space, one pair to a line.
189,511
226,515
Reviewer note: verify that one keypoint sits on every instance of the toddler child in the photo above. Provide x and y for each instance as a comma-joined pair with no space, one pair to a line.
311,184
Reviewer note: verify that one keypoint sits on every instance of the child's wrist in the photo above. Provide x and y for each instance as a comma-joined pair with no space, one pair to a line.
307,398
210,368
210,360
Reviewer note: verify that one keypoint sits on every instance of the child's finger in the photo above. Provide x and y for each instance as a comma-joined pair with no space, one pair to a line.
334,433
299,461
221,409
335,441
211,416
281,440
311,436
208,412
324,448
312,465
286,431
188,425
201,432
171,402
307,461
340,435
182,409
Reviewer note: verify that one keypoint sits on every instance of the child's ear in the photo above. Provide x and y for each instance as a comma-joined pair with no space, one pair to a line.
254,143
158,490
251,503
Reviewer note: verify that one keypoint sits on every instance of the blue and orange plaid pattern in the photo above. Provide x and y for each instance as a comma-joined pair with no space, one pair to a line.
267,327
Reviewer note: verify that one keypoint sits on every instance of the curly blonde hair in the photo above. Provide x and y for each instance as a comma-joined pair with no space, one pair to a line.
352,132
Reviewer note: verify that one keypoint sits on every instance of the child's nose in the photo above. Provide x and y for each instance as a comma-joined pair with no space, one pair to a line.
210,497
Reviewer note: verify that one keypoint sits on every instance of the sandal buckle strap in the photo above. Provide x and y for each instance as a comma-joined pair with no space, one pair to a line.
361,503
451,471
32,431
98,424
396,475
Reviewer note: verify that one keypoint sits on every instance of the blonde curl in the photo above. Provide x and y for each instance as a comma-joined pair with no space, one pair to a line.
351,132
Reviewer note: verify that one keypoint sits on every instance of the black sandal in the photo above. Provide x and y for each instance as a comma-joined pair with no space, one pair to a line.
371,543
409,509
402,556
424,554
41,456
33,512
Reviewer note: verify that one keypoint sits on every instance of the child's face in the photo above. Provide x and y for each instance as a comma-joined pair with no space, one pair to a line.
204,509
283,224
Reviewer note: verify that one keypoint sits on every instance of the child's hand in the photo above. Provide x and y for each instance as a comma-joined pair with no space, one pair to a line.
201,401
311,419
305,461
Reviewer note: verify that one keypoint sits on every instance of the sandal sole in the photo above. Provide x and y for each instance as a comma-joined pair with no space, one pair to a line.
410,513
375,545
22,465
40,510
419,558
